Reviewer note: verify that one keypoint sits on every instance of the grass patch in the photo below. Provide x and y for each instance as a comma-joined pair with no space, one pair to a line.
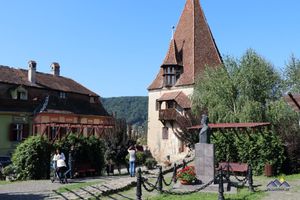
243,194
75,186
5,182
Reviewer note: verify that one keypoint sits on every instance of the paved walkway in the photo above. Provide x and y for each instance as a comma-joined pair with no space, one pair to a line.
44,189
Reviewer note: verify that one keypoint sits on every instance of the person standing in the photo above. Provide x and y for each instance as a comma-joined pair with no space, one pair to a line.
71,161
132,152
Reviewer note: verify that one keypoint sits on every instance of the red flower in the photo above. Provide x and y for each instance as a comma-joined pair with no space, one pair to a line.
187,174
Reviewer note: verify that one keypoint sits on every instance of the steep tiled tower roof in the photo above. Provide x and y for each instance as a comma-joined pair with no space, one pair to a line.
194,43
173,57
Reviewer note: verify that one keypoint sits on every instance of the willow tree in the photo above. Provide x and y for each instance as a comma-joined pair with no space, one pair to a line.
248,89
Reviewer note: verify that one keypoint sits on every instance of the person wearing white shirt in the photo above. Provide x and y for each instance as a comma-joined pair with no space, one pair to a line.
132,151
60,164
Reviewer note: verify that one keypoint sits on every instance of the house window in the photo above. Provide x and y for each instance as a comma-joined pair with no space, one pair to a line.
62,95
19,93
18,132
165,133
171,75
157,105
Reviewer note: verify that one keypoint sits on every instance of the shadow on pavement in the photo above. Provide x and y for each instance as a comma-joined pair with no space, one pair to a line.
16,196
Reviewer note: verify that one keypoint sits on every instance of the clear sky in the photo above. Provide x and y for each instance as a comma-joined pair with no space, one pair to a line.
115,48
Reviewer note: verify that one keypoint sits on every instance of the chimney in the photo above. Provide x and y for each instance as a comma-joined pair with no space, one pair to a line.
55,69
32,71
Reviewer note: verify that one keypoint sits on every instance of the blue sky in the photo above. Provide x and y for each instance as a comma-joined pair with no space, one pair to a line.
115,48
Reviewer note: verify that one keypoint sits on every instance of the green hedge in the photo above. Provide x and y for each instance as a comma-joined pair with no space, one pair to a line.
31,159
255,148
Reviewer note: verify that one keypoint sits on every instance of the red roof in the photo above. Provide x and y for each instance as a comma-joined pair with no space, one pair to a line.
172,57
43,80
194,43
179,97
233,125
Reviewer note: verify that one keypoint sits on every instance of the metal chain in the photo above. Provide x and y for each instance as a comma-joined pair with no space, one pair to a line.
150,184
147,189
168,184
183,193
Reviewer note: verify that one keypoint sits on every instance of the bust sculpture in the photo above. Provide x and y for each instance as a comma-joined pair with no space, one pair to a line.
204,135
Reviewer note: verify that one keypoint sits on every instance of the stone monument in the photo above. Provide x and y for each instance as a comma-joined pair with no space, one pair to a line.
205,154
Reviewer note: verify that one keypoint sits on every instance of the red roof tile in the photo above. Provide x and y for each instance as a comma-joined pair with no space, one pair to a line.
172,57
43,80
179,97
196,44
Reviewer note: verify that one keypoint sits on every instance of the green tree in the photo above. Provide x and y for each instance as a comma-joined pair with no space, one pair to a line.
292,75
248,89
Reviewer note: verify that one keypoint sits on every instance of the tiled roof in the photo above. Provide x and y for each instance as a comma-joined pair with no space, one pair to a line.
179,97
54,105
233,125
43,80
173,57
73,106
195,43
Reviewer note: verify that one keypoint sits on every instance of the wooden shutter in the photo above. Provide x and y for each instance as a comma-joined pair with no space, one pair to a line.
12,135
25,130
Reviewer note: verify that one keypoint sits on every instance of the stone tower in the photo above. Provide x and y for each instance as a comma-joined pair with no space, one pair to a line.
192,48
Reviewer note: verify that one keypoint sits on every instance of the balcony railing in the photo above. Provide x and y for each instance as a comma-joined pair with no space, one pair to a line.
168,114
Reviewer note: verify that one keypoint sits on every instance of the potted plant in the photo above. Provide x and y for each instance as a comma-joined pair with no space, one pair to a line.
186,175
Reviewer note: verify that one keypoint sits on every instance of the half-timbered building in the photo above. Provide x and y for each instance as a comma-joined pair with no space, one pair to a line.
33,103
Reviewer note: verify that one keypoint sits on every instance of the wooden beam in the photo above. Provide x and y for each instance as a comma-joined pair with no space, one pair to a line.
294,100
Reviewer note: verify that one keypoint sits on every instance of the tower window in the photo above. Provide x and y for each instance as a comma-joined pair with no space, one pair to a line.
171,75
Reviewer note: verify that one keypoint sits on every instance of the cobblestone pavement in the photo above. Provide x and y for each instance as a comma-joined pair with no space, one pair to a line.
36,190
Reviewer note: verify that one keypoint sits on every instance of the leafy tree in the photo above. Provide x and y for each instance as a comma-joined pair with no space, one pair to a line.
244,90
292,75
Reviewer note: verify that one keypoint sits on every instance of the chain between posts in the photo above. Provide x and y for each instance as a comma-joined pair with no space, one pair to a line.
160,180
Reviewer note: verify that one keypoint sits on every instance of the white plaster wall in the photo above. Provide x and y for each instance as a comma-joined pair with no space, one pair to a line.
161,148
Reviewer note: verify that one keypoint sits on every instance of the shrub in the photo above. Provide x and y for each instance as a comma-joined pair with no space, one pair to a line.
140,158
31,159
10,172
150,163
256,149
87,150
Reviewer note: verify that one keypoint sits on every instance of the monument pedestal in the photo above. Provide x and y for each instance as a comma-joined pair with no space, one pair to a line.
205,162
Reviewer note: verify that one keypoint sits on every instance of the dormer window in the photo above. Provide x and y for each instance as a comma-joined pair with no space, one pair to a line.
62,95
171,75
92,100
19,93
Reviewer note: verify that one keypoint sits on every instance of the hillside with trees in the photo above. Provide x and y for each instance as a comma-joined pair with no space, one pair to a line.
133,109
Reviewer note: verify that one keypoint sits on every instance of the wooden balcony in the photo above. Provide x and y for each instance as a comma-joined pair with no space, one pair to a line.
168,114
